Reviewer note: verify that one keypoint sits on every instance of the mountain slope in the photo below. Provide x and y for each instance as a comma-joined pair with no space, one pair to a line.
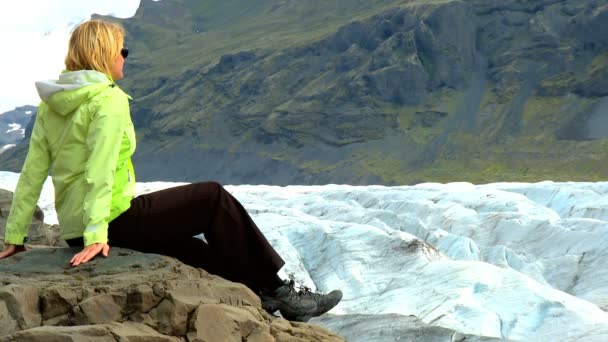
357,92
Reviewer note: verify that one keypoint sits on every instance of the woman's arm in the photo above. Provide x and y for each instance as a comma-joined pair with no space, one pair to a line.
34,173
104,139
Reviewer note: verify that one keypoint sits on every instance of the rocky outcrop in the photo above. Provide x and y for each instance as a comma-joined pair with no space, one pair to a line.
131,296
128,295
40,234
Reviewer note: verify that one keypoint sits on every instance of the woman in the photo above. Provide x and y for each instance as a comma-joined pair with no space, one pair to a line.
83,133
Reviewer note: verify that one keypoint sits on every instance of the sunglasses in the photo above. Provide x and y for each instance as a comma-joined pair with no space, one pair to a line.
124,52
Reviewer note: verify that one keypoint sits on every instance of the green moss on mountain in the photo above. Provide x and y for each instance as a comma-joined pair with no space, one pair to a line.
394,91
379,91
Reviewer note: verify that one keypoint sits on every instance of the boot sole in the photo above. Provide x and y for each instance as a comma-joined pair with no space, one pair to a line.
271,305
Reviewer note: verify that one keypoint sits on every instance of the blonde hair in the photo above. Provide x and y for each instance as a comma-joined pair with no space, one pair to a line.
95,45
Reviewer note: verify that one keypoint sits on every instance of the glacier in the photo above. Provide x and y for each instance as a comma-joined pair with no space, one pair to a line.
514,261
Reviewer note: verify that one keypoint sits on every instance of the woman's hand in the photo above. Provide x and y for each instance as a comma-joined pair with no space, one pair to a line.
12,249
89,252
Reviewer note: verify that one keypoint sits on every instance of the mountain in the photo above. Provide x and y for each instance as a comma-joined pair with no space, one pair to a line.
14,124
360,92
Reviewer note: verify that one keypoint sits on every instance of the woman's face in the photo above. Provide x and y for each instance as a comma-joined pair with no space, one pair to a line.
117,68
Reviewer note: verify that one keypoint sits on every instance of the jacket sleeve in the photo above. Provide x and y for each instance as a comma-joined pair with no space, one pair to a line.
33,174
104,137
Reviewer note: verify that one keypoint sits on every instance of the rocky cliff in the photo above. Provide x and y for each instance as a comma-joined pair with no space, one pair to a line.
132,296
128,296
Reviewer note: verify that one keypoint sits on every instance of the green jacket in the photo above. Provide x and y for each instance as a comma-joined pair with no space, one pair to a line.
84,136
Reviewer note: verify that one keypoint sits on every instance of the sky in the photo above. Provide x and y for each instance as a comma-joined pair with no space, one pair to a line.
34,36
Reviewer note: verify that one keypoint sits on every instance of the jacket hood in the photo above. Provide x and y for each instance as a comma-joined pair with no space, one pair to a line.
72,89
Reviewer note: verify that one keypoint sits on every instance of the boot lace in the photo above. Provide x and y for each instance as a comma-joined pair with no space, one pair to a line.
302,291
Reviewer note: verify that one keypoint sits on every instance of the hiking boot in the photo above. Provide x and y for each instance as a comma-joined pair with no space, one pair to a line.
299,305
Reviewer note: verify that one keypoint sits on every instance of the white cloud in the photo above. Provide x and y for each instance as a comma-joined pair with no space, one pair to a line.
34,35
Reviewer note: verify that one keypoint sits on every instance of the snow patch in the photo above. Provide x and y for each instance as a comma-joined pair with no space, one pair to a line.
16,127
6,147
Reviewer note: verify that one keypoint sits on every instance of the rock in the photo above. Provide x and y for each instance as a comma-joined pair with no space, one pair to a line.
21,303
100,309
221,322
39,234
94,333
232,61
57,302
131,296
388,83
446,45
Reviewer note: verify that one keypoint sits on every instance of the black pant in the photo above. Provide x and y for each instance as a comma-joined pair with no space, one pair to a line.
164,222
